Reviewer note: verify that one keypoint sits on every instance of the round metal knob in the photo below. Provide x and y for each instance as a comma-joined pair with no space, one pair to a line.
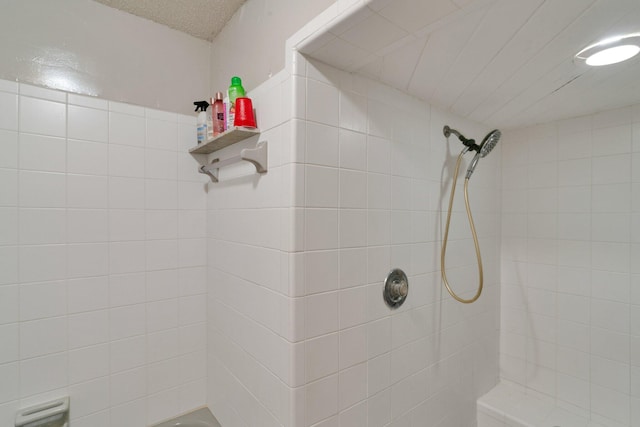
399,289
396,288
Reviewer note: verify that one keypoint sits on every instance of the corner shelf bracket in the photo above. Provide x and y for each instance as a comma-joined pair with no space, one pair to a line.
257,156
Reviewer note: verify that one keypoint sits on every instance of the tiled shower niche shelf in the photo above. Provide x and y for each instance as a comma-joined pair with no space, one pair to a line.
225,139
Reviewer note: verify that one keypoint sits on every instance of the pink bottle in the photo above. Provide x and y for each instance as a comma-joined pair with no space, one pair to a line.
217,114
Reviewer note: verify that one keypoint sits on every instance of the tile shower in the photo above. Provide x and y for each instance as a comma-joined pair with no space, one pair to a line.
143,291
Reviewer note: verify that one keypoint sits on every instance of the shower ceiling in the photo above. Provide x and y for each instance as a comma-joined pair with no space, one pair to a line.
507,63
200,18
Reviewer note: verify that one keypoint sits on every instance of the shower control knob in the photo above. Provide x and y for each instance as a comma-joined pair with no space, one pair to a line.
399,289
396,288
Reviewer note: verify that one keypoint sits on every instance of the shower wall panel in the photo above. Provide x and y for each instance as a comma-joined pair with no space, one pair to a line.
102,258
375,172
253,316
570,276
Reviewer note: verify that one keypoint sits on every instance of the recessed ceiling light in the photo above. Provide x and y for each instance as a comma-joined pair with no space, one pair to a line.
611,51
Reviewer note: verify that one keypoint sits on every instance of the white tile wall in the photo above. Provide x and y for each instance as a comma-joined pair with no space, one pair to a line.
582,288
325,343
99,291
252,361
383,140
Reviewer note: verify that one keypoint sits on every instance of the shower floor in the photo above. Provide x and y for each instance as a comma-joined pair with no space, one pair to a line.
198,418
508,405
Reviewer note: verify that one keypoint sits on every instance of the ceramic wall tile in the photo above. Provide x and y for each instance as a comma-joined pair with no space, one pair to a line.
87,123
127,129
32,383
9,105
88,158
42,300
9,149
42,153
322,144
42,189
43,337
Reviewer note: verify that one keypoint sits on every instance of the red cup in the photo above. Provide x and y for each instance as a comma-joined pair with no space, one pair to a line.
244,113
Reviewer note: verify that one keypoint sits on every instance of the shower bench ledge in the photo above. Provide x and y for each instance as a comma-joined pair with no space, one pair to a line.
509,405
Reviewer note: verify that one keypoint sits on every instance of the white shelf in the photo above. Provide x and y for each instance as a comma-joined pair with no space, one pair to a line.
229,137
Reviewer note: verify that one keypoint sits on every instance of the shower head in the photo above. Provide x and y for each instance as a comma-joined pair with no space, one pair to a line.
485,147
487,144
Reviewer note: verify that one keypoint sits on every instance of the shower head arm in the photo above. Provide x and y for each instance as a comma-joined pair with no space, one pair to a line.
469,143
481,150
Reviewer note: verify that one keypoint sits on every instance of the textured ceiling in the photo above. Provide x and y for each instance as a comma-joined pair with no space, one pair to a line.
506,63
200,18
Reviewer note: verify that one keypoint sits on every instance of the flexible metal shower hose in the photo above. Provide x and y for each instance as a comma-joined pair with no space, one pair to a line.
473,232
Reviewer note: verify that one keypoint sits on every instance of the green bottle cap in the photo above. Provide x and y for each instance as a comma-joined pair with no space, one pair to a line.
235,81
